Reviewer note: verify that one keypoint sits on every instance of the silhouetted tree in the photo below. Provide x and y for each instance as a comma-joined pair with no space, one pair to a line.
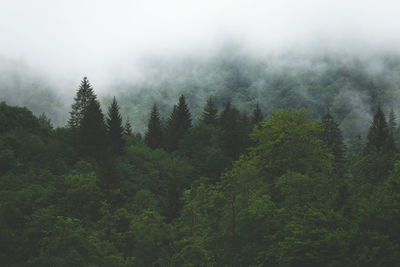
178,123
115,130
92,138
83,96
154,134
379,137
209,115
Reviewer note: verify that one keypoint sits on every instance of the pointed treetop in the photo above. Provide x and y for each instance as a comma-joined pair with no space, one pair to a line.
154,134
379,137
210,112
83,96
128,128
115,130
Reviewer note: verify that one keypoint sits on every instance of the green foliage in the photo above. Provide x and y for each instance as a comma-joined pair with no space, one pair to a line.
154,134
209,115
179,123
279,204
115,130
92,137
83,98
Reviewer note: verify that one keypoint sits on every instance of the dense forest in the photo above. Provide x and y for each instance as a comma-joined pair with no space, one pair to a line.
231,187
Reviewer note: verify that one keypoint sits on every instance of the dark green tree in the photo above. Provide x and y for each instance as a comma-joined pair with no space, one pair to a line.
257,116
128,128
83,96
332,138
115,130
154,134
379,137
92,137
209,115
234,138
179,123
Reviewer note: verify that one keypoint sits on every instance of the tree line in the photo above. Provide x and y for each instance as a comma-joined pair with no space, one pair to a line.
229,190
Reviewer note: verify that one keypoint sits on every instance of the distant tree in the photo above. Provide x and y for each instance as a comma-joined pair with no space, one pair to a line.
209,115
83,97
179,123
379,137
45,121
154,134
257,115
332,138
92,137
128,128
115,130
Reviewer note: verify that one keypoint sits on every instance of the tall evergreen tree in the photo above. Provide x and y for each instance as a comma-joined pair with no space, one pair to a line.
154,134
234,137
92,138
83,96
257,116
179,123
128,128
332,138
379,137
115,130
209,115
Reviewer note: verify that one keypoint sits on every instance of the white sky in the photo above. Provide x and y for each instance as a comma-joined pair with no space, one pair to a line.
89,37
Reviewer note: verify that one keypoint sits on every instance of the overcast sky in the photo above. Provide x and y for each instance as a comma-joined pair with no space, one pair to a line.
91,37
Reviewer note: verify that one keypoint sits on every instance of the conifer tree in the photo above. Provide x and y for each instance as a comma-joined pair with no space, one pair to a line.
234,135
379,137
115,130
128,128
154,134
179,123
209,115
257,115
92,138
83,96
332,138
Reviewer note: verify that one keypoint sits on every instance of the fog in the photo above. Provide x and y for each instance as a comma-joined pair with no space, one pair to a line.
72,38
54,43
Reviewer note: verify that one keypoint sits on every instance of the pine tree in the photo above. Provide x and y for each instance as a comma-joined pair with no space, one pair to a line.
83,96
178,124
128,128
379,137
115,130
234,137
392,122
257,115
332,138
92,137
210,112
154,134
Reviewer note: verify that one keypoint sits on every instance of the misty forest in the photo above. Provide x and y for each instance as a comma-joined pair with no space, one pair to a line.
232,161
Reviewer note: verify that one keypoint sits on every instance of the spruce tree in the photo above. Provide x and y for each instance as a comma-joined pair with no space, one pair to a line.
209,115
257,116
179,123
154,134
234,137
83,96
115,130
332,138
128,128
92,137
379,137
